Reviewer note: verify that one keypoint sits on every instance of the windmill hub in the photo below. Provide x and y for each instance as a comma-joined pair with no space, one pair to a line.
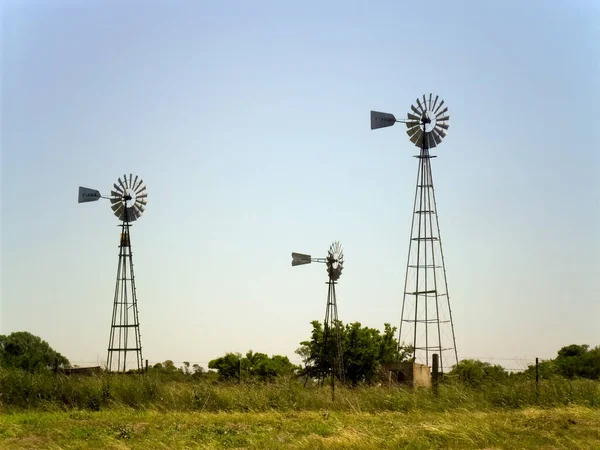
128,198
427,122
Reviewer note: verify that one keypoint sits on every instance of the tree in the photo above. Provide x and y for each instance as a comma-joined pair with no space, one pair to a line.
198,370
312,351
228,366
25,351
364,349
476,373
578,361
256,366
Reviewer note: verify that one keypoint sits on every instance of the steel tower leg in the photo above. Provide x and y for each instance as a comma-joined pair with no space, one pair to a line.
331,358
426,317
125,326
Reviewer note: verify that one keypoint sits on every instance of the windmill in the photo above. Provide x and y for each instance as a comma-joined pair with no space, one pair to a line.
426,318
128,201
335,264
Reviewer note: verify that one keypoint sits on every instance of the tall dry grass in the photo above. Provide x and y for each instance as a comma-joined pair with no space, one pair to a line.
48,391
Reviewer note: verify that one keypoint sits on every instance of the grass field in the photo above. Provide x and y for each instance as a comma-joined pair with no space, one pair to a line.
48,411
566,427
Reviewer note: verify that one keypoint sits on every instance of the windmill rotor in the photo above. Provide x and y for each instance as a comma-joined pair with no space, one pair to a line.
335,261
427,122
129,199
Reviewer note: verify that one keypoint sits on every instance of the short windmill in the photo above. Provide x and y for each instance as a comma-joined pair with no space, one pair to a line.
426,318
331,329
128,201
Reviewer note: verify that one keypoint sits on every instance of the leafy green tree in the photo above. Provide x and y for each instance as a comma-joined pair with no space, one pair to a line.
364,349
228,366
476,373
260,366
578,361
255,366
25,351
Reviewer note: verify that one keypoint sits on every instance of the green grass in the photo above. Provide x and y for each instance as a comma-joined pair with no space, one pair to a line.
49,392
49,411
565,427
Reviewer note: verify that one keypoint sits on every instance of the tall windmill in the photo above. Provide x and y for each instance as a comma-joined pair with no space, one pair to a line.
128,201
331,329
426,318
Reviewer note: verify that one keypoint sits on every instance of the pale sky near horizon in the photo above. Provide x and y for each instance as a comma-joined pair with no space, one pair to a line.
249,123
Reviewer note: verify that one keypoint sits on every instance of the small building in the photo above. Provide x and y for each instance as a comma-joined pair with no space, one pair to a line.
412,374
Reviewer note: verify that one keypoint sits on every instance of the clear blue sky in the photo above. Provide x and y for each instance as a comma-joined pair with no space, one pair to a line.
249,123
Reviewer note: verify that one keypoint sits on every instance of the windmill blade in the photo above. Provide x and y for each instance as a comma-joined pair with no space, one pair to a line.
442,125
118,188
140,191
133,212
421,107
412,124
143,202
141,196
416,111
441,132
138,210
115,197
413,132
413,117
430,141
424,102
434,102
436,136
130,178
134,182
121,184
442,112
442,119
439,106
381,120
87,195
417,139
299,259
129,215
125,180
430,95
117,208
140,206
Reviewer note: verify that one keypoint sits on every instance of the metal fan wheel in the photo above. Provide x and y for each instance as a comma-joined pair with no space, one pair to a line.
429,123
129,199
335,261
